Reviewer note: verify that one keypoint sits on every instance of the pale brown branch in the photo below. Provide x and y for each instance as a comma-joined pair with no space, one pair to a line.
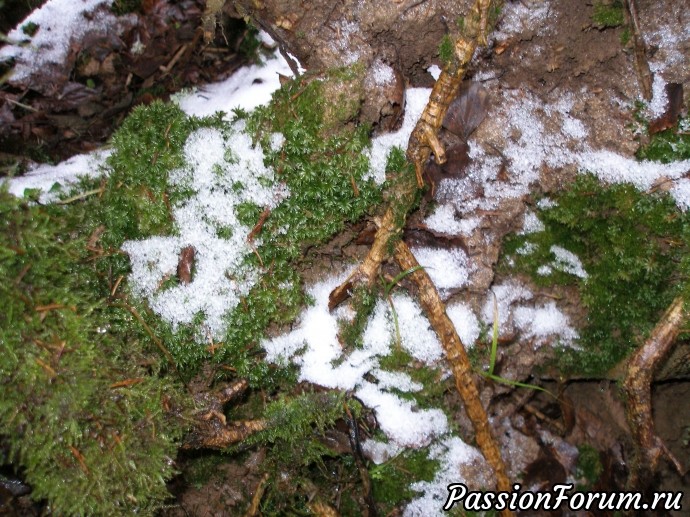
649,448
459,362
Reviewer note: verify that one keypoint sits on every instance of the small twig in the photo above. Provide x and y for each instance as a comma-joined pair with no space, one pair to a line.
640,48
355,445
253,509
21,105
166,69
83,195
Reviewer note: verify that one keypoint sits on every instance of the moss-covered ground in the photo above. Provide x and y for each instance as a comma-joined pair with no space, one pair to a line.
634,247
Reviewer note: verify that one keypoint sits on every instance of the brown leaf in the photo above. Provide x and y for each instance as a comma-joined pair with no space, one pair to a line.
674,93
468,110
185,265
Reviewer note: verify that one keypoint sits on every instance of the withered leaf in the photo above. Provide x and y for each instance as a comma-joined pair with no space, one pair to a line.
468,110
185,264
674,93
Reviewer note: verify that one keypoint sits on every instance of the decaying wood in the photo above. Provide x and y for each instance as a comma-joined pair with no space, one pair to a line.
459,362
649,448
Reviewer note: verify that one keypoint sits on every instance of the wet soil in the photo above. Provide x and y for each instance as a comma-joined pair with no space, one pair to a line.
60,111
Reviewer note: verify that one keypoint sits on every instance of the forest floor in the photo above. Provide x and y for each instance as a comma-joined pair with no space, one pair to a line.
562,96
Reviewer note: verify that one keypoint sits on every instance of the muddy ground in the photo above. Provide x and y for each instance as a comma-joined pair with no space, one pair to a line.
547,59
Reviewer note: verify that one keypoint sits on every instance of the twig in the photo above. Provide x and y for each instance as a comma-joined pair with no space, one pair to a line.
640,49
649,448
83,195
253,509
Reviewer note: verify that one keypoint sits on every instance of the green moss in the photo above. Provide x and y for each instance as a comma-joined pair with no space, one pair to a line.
363,303
589,467
148,146
299,461
122,7
86,408
446,50
633,247
607,15
391,480
30,28
669,145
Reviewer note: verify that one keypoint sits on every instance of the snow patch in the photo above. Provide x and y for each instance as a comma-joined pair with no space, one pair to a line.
59,24
216,166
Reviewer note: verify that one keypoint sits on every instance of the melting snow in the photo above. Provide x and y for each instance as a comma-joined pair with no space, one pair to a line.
221,276
60,22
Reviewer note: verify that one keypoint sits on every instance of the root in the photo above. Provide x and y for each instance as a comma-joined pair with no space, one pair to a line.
649,448
424,141
459,362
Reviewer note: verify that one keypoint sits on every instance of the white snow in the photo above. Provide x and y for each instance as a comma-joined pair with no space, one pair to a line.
53,179
568,262
526,16
448,269
60,23
443,219
247,88
403,423
216,165
416,100
659,102
383,73
542,322
313,345
531,223
465,322
453,454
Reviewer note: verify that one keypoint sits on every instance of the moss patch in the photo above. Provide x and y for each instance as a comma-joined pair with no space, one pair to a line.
607,14
633,247
86,409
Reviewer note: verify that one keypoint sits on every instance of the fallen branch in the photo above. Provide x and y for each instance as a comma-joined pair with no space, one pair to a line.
459,362
649,448
423,141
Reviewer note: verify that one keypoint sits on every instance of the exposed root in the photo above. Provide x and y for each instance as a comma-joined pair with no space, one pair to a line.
424,141
211,430
459,362
649,448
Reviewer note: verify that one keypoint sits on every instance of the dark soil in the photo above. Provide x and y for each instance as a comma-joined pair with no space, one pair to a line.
62,111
